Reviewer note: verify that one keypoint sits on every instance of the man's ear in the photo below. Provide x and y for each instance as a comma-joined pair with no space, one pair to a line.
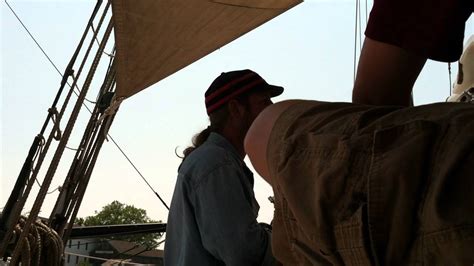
236,110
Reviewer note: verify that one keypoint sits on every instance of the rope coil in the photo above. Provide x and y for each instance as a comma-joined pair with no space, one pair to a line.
42,246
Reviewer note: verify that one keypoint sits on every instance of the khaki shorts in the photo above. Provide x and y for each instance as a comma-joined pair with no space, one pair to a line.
363,185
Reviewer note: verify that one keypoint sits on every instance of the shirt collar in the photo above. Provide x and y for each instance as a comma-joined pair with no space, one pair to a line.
221,141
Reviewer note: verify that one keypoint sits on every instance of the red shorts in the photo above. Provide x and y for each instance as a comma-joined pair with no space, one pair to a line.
431,28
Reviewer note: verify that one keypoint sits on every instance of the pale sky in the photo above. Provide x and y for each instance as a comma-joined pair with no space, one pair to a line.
309,50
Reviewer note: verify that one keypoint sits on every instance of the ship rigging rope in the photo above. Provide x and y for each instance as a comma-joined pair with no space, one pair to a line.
138,253
366,14
449,74
40,146
60,149
87,108
42,50
358,32
134,255
38,152
54,116
355,39
43,246
360,27
114,261
111,55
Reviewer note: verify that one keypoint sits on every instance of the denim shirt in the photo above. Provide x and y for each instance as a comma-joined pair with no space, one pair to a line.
213,214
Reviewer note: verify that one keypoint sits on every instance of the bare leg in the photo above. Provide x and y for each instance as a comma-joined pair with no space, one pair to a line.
258,136
386,74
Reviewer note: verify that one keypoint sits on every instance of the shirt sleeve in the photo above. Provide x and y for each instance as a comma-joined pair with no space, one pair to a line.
227,223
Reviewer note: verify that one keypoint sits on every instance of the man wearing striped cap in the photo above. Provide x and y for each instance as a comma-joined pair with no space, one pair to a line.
213,215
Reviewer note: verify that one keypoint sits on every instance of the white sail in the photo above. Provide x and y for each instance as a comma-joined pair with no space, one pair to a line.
154,39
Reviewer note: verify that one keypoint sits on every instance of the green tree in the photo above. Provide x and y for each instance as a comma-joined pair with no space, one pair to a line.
119,213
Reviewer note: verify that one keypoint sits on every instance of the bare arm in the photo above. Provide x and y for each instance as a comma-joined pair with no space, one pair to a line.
386,74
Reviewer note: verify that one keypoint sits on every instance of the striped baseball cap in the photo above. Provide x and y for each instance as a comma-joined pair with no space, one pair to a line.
231,84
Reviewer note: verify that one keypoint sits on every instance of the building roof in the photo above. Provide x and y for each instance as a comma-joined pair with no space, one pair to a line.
129,248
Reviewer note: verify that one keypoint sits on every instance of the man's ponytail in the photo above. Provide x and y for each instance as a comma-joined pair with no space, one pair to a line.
197,141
